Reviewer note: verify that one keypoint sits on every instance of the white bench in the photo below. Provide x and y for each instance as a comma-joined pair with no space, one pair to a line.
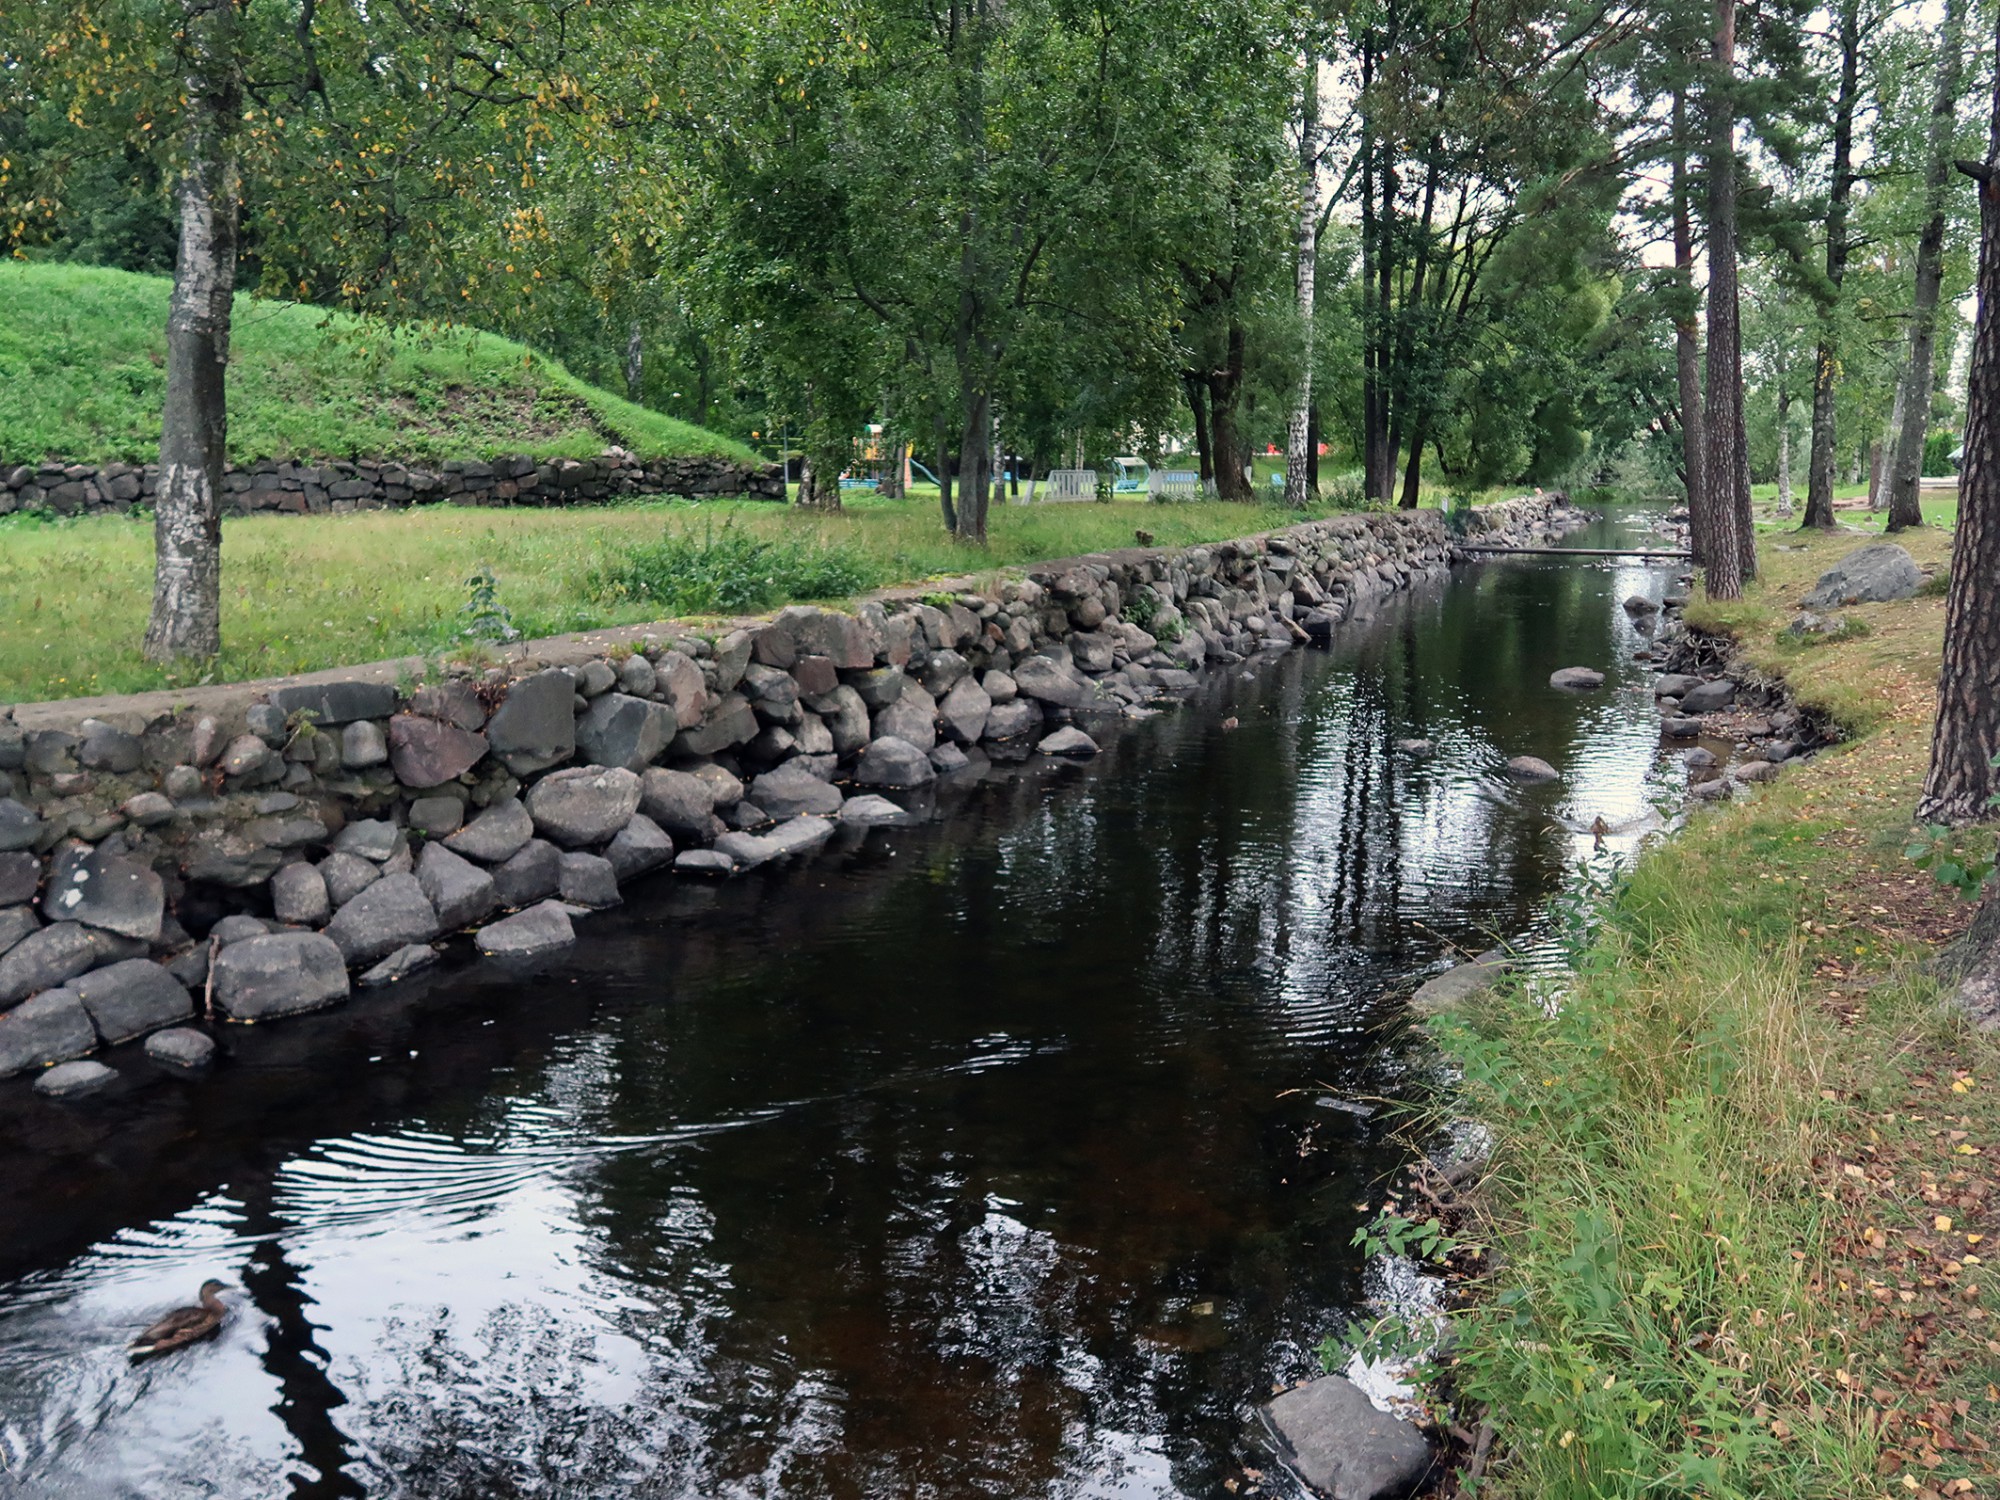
1175,484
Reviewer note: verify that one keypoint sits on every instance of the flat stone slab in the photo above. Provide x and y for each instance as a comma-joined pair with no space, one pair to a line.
705,862
70,1078
53,1027
542,928
1709,697
1460,983
412,958
181,1047
1333,1437
799,835
871,811
132,998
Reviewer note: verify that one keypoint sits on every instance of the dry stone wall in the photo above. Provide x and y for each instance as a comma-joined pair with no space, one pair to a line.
287,486
260,860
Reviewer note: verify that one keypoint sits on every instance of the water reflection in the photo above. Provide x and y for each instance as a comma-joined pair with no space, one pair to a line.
963,1161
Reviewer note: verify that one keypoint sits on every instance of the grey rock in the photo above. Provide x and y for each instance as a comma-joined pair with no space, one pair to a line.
587,880
773,694
947,758
583,805
1069,741
181,1047
16,922
746,850
20,877
787,792
893,763
879,686
1758,770
964,711
620,730
799,835
1092,651
1679,727
267,722
1698,759
299,895
391,912
943,671
816,676
437,817
363,744
370,838
20,826
1721,789
42,960
236,929
1460,983
1876,573
1674,684
347,876
496,835
1532,768
279,974
1639,604
1333,1437
110,892
1708,697
1000,686
183,783
427,752
50,752
50,1028
460,893
677,678
637,677
190,966
106,748
595,678
827,632
132,998
69,1079
727,788
1012,720
535,727
1417,749
731,722
530,875
912,717
1576,679
732,655
544,928
413,958
871,811
1047,681
641,845
703,862
247,757
332,703
147,809
845,717
745,815
682,802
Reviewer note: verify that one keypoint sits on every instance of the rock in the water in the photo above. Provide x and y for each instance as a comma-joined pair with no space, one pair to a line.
894,763
533,873
460,892
708,861
1069,741
788,791
44,959
641,845
1576,679
1708,697
681,802
912,717
1639,604
947,758
535,727
1721,789
587,880
543,928
1339,1443
1014,719
73,1078
584,805
391,912
871,811
109,892
50,1028
279,974
181,1047
746,850
496,835
412,958
1532,768
1049,681
299,895
1680,727
964,710
1417,749
798,835
1460,983
1698,759
1873,574
132,998
1674,685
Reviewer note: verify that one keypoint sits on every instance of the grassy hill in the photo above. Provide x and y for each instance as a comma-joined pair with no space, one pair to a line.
83,373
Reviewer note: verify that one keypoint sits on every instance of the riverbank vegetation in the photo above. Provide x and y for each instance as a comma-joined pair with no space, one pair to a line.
1746,1189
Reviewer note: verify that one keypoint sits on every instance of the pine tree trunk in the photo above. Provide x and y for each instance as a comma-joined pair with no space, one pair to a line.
186,618
1826,359
1784,450
1687,335
1225,390
1906,473
1299,489
1722,417
1962,779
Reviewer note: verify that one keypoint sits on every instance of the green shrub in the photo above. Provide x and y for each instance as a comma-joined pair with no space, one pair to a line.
724,571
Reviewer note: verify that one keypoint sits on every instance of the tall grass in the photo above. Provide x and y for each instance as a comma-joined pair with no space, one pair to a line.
727,570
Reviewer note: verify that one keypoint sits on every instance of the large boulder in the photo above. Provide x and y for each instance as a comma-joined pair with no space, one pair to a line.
789,791
428,752
43,960
1708,697
458,890
346,876
681,802
677,678
496,835
279,974
1576,679
912,717
871,811
535,727
891,762
50,1028
65,1079
1335,1439
110,892
391,912
336,702
1048,681
20,825
623,731
1069,741
583,805
540,929
730,722
641,845
1013,719
800,834
1878,572
964,711
1532,768
846,718
587,880
132,998
16,922
533,873
829,633
299,895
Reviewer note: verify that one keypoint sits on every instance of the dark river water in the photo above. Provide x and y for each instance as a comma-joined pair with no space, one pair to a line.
985,1158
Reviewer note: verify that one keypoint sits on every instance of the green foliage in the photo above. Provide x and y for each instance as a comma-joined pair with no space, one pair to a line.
1945,853
486,618
728,571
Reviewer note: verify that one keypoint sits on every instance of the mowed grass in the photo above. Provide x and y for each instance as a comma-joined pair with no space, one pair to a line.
83,376
305,592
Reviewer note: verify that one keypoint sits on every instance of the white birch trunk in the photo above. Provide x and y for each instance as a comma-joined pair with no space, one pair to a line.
1297,426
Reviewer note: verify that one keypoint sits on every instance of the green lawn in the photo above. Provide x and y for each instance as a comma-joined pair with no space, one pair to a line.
82,378
306,592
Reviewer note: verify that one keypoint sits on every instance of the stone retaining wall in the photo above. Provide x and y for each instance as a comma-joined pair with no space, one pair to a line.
264,856
297,488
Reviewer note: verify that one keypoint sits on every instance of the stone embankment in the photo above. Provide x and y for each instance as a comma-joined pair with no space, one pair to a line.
290,487
257,851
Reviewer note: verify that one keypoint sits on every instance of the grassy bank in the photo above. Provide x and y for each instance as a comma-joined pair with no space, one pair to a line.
83,375
305,592
1745,1185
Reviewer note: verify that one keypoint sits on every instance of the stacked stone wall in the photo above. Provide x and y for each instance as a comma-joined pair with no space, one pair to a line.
261,855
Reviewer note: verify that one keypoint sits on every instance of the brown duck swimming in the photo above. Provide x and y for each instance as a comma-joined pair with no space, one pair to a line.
184,1325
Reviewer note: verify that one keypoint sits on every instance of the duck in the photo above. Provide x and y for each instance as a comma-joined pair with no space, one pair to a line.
184,1325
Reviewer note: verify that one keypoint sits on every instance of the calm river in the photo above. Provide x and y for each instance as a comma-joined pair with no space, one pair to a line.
979,1159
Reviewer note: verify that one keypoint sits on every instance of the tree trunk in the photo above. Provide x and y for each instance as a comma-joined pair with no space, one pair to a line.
819,475
1413,470
975,466
1312,452
1204,446
944,477
1826,361
194,424
1722,554
1784,450
1962,778
1299,489
635,362
1687,332
1225,390
1906,475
